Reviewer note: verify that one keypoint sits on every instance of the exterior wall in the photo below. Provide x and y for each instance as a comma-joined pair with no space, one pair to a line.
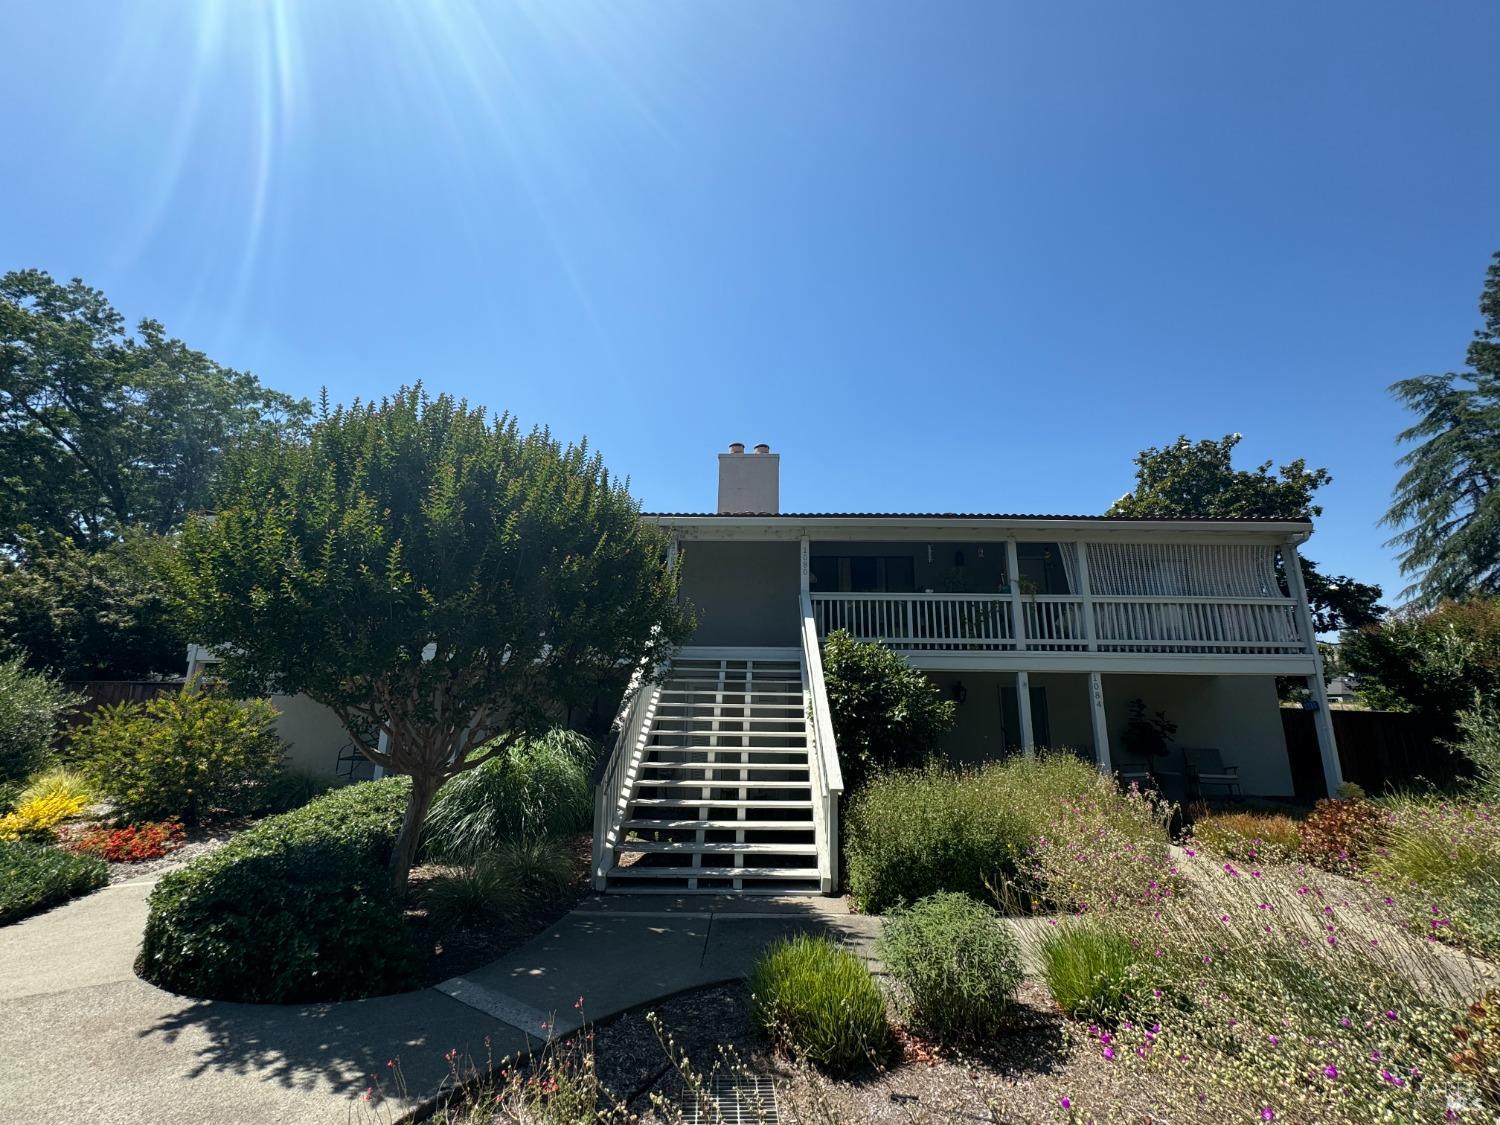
743,592
1237,715
979,734
313,732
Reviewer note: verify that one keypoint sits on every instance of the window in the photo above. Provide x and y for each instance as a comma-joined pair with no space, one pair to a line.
863,574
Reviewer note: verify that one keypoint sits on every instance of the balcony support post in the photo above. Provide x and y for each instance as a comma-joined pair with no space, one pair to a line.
804,548
1101,724
1328,748
1023,710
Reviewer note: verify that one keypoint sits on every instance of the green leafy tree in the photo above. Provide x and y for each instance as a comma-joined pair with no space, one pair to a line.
1447,501
431,575
100,615
1431,661
100,429
1190,479
885,714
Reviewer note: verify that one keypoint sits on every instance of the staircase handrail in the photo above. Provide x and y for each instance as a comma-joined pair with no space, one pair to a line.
609,771
831,777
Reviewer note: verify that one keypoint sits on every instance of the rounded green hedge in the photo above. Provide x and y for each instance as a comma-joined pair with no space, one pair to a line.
35,877
819,1002
298,908
958,963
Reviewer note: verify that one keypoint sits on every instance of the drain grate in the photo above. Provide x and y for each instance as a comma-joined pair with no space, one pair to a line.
732,1099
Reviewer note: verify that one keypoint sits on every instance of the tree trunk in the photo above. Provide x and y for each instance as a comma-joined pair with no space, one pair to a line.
423,788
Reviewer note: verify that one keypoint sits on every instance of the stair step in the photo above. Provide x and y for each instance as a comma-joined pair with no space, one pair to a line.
705,748
721,825
681,803
726,765
639,871
701,783
796,707
713,847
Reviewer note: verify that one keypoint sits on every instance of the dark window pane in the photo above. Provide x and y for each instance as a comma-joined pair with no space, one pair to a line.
863,575
824,570
900,574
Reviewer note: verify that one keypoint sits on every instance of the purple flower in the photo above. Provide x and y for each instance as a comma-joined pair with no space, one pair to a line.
1392,1079
1109,1052
1390,1014
1065,1103
1330,1071
1274,1040
1268,1114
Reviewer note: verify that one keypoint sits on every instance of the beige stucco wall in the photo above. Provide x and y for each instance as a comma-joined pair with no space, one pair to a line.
1237,715
744,593
313,733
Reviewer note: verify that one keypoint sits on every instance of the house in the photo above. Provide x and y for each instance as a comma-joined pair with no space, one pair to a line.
1043,629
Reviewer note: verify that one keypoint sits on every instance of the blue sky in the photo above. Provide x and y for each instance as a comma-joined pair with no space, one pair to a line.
941,256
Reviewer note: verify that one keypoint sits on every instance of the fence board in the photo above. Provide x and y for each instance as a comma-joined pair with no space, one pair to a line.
1377,750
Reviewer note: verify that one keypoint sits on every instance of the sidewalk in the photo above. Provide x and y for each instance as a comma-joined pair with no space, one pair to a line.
84,1040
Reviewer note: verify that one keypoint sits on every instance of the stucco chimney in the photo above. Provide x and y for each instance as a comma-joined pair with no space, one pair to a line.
749,484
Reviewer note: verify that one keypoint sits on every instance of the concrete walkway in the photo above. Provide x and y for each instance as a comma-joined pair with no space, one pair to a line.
83,1040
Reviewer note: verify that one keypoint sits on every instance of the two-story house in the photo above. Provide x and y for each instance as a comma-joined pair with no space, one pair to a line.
1045,631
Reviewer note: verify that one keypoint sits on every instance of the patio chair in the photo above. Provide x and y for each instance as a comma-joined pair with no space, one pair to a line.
1206,767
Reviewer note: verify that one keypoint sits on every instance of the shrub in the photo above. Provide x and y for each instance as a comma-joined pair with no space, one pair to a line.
1267,837
818,1001
290,789
1340,835
35,877
135,843
1477,1050
59,781
1093,972
885,714
31,708
537,787
958,963
37,819
516,878
1479,744
913,833
298,908
190,755
1430,661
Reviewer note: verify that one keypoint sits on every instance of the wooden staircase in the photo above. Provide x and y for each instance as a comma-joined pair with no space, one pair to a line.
716,794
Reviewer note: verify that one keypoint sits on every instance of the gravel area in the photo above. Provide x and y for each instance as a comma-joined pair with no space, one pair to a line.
1020,1076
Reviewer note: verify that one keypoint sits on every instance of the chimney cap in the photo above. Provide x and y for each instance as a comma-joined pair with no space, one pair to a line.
736,447
762,447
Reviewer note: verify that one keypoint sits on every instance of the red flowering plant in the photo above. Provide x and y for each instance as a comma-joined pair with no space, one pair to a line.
134,843
1341,835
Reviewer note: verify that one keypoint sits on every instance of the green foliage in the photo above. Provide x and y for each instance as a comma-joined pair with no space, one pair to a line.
1479,743
1094,972
1186,480
106,614
516,879
57,781
1429,661
421,568
1478,1046
32,706
912,833
1446,502
958,963
191,755
1250,837
298,908
532,788
101,430
37,877
885,713
817,1000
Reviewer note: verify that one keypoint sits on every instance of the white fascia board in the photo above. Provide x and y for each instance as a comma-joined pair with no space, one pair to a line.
970,530
1160,664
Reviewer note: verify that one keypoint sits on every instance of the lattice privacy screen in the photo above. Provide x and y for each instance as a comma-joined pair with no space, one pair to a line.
1193,570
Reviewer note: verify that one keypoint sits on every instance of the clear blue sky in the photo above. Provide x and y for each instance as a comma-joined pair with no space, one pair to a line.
941,256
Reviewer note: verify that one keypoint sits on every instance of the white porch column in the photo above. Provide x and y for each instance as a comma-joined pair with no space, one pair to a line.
804,548
1101,724
1018,617
1023,709
1328,749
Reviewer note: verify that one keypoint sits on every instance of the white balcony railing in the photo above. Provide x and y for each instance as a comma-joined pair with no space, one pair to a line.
1065,623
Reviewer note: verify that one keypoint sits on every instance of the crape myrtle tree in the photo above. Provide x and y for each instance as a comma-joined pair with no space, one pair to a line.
1190,479
1447,502
441,580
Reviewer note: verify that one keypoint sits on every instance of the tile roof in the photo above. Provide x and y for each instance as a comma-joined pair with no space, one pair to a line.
966,516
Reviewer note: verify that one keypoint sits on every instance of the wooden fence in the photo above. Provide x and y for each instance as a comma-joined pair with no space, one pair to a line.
102,693
1377,750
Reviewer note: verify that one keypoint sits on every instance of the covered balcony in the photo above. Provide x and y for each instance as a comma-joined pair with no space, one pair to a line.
1226,599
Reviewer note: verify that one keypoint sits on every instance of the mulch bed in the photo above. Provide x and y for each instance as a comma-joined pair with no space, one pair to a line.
449,952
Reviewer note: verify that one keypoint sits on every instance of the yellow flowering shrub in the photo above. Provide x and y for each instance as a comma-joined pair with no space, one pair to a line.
38,818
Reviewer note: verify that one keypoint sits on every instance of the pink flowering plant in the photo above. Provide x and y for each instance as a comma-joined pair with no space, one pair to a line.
1274,989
